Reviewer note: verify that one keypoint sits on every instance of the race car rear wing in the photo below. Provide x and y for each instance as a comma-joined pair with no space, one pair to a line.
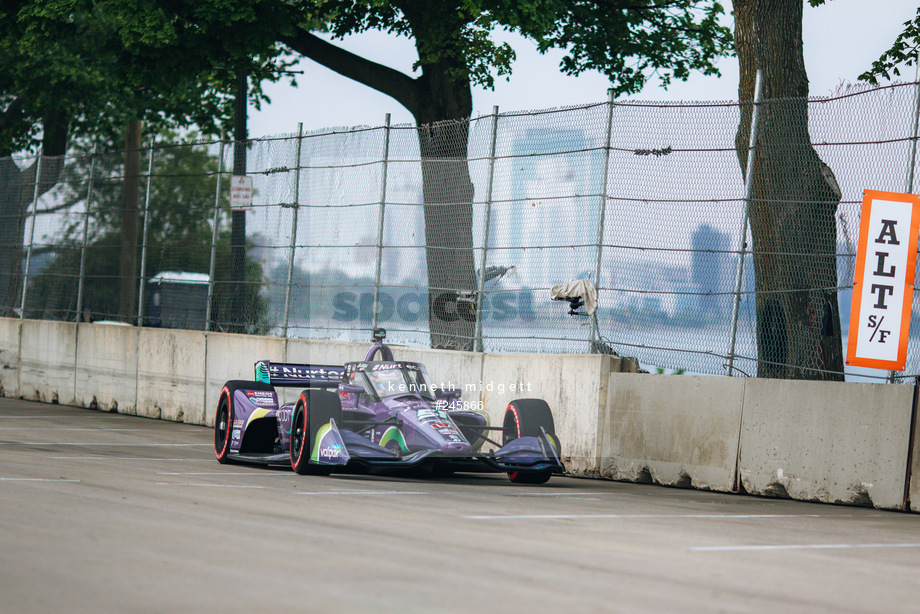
304,376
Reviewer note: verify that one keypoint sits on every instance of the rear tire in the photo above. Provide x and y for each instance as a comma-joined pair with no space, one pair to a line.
223,419
528,418
314,409
223,425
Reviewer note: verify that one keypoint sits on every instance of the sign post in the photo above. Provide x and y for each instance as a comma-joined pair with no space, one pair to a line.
883,286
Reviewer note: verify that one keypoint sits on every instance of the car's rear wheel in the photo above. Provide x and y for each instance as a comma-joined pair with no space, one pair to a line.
225,416
528,418
314,409
223,425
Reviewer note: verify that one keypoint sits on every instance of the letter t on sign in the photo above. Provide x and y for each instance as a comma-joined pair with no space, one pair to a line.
883,286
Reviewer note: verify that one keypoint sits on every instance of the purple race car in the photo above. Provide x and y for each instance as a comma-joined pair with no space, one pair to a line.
383,416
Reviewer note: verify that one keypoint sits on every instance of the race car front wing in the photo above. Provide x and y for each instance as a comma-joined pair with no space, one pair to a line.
348,450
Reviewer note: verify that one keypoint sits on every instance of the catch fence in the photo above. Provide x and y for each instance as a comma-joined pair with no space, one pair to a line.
455,234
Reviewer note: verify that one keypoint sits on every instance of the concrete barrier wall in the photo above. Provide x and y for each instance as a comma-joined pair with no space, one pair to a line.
9,357
171,374
674,430
828,442
573,385
47,361
914,478
232,356
106,367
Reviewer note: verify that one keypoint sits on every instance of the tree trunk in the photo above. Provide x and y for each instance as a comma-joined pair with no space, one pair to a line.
794,201
130,216
441,101
448,194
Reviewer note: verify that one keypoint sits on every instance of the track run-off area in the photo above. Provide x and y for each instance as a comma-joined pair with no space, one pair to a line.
102,512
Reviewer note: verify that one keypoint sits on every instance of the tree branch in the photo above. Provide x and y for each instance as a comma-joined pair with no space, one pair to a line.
382,78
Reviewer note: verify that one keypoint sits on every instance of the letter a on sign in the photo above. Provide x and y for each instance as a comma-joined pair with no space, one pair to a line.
883,287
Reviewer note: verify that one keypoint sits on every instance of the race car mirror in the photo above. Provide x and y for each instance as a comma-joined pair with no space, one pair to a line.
349,395
447,393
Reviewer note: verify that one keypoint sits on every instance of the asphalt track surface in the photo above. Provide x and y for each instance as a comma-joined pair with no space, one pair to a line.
103,512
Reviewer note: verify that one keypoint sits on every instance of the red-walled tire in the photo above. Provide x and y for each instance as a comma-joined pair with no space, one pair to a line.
314,409
528,418
223,426
223,419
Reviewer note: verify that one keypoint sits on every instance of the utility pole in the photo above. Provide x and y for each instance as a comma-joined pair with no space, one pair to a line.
237,315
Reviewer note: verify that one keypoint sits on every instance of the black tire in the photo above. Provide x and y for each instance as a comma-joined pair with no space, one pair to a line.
314,409
528,418
223,419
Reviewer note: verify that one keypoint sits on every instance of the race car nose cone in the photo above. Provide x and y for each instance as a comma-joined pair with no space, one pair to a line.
457,447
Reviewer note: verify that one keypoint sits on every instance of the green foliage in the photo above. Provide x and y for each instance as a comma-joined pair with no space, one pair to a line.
53,292
105,63
902,52
625,40
629,41
179,236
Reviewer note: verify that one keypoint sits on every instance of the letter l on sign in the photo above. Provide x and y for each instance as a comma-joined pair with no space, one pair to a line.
883,286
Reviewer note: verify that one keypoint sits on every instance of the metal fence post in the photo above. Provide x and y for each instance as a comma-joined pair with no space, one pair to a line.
912,160
25,273
143,271
913,141
602,214
296,205
485,238
748,189
81,281
214,226
383,198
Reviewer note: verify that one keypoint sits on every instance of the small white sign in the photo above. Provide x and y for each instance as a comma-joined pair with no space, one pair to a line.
240,192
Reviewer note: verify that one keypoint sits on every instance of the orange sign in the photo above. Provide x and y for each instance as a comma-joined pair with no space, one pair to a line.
883,286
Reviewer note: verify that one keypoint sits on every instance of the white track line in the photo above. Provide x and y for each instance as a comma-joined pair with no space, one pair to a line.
130,458
37,480
363,492
30,417
259,473
208,485
651,516
43,429
113,445
798,547
556,494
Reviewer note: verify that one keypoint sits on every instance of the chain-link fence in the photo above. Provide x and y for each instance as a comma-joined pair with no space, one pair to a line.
453,235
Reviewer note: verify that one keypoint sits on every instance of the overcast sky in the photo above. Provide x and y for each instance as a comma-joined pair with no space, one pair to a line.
841,39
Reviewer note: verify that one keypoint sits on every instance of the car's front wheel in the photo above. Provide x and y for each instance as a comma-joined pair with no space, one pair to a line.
528,418
314,409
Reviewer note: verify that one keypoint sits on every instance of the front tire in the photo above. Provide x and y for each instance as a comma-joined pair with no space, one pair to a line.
314,409
528,418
